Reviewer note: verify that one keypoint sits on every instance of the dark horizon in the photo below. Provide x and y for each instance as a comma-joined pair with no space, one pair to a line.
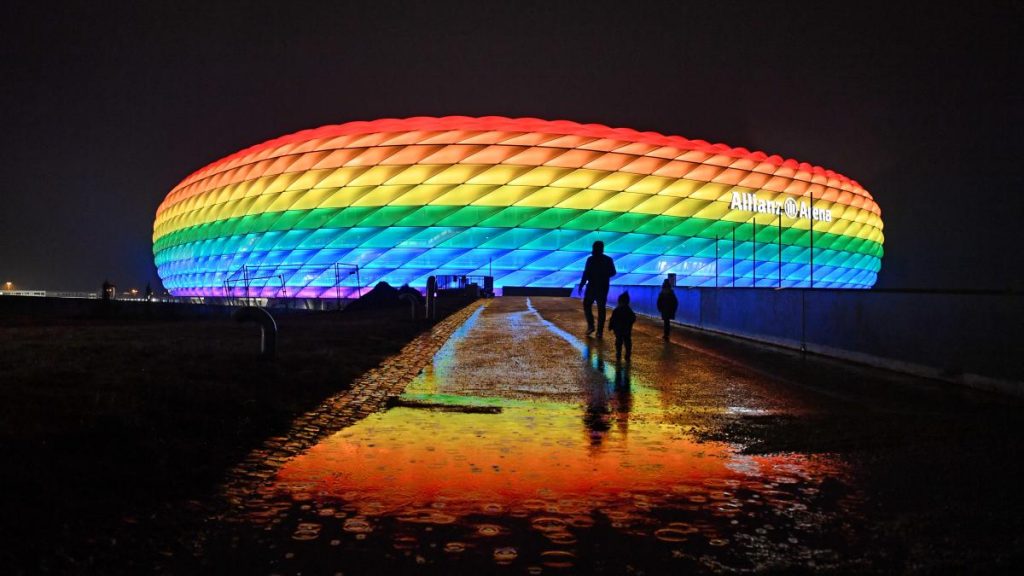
106,110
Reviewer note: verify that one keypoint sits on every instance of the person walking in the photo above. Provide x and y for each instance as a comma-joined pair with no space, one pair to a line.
621,324
597,275
667,305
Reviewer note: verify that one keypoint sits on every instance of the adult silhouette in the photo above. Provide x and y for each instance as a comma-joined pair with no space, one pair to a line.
594,284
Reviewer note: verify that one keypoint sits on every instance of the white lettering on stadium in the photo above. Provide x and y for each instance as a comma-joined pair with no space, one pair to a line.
749,202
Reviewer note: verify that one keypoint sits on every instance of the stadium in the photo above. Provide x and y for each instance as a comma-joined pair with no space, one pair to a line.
323,212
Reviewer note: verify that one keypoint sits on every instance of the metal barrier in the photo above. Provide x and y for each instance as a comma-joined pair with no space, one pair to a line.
247,274
268,328
465,281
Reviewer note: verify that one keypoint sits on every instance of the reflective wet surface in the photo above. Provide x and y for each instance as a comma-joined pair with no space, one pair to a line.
524,447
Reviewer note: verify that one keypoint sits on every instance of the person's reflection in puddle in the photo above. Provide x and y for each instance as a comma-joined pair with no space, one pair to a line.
597,416
622,402
606,401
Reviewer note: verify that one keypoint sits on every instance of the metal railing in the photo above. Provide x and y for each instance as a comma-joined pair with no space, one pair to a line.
730,238
248,274
457,281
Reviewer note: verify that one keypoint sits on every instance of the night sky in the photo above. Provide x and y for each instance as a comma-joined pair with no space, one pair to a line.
104,109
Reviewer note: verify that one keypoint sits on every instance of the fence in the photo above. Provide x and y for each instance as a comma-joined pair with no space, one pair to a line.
968,337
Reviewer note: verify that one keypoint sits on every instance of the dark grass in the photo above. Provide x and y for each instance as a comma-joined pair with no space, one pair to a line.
106,424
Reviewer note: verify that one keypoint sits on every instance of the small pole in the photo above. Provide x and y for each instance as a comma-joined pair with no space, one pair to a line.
811,220
780,249
245,278
717,264
733,258
268,328
753,254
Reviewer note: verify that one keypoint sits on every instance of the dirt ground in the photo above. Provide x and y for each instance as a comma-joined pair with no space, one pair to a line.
109,426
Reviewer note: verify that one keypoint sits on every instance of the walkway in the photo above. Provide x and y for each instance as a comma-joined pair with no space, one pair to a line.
523,448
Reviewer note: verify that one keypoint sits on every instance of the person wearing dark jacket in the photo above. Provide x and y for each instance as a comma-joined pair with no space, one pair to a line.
597,275
667,305
621,324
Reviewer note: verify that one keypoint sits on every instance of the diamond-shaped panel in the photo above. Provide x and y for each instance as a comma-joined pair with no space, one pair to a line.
521,198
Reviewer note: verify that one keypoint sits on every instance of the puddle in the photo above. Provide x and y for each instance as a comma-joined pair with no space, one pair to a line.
568,464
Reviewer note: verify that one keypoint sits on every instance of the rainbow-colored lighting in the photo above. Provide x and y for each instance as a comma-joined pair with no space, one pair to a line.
519,199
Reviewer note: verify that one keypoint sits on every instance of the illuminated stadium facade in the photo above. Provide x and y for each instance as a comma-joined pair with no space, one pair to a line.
521,200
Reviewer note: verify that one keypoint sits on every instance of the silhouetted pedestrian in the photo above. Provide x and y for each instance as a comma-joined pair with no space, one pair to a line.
596,277
621,324
667,305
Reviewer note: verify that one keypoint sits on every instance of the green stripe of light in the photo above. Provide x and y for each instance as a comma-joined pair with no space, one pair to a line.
506,217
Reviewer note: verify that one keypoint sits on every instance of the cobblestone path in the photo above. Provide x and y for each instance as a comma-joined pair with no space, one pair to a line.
368,394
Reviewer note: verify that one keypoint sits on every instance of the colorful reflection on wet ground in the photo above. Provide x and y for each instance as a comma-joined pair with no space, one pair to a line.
522,448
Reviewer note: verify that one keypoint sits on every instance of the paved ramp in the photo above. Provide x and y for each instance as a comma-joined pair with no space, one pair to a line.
524,447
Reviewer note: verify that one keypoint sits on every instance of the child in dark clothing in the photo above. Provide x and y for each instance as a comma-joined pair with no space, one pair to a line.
667,305
622,325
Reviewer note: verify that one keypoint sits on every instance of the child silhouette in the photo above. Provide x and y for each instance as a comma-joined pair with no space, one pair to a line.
621,324
667,306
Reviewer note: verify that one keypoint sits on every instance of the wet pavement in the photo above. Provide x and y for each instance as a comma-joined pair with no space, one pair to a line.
524,448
